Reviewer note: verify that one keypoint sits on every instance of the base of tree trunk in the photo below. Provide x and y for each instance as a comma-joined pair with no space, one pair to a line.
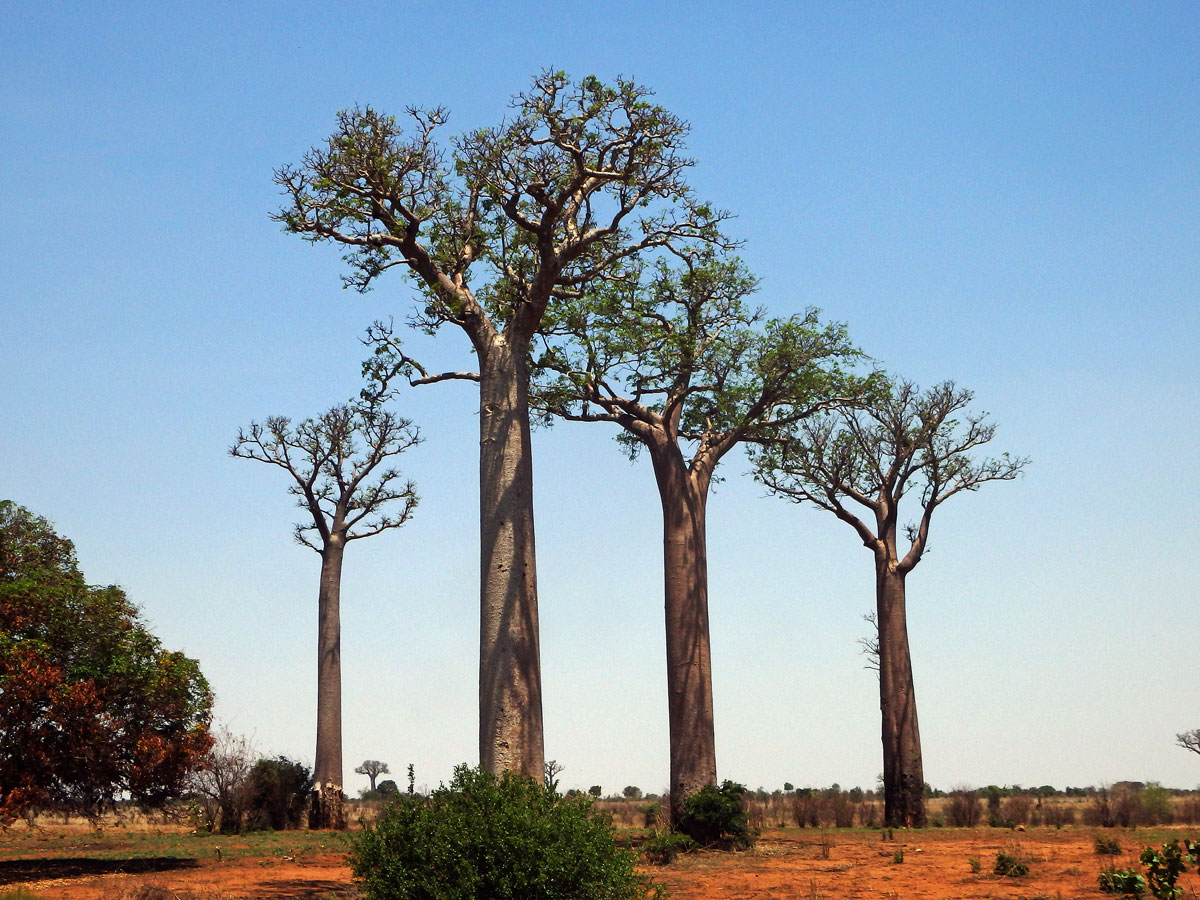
327,807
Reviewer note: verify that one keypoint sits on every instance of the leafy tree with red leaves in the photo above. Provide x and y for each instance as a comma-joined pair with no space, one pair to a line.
91,706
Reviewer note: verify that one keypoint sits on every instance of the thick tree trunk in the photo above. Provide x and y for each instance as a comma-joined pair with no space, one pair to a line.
327,810
684,496
903,773
510,681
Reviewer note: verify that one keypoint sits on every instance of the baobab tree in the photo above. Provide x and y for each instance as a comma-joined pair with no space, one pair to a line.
372,768
868,458
1189,740
494,230
687,370
337,466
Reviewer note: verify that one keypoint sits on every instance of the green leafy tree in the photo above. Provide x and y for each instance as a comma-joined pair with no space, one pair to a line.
495,229
687,370
91,705
851,461
338,466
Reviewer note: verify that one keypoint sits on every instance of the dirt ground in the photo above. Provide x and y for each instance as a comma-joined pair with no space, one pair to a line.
787,864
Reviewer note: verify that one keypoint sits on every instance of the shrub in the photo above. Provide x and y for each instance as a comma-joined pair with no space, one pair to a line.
1106,846
963,809
483,836
1155,805
1017,808
1163,867
1126,882
1009,864
806,808
975,864
662,847
277,793
714,816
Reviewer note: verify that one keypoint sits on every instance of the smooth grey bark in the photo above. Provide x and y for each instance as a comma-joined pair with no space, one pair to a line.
510,684
903,771
328,808
683,493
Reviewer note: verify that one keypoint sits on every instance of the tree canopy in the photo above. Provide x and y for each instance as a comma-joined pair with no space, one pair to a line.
91,705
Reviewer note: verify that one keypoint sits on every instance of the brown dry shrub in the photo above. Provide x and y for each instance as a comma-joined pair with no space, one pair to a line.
963,809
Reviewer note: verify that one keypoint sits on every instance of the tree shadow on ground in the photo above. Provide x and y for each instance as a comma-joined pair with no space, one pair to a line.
302,889
15,871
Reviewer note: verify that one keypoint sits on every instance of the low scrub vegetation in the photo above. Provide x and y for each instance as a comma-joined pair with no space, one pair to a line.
483,836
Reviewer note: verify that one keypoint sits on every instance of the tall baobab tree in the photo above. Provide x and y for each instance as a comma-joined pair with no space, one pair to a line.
495,230
339,477
867,459
678,361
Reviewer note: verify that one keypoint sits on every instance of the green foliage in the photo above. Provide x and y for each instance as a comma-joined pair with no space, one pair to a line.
1107,846
632,792
507,838
388,788
277,794
1164,866
975,864
714,816
1126,882
897,857
1009,864
661,848
1156,804
90,704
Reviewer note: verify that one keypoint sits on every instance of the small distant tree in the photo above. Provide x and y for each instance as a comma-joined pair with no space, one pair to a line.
595,790
372,768
553,769
219,785
388,788
867,458
1189,740
632,792
337,463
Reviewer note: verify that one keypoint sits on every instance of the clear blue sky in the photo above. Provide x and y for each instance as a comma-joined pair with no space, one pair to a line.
1007,195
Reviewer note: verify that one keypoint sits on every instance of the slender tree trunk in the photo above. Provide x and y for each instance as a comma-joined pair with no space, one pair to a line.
327,809
684,496
510,681
903,773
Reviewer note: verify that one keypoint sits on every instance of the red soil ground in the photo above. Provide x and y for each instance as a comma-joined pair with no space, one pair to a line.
787,864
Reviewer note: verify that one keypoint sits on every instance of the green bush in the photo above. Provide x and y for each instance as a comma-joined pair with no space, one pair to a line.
506,838
1010,865
661,848
1126,882
1163,867
714,816
1107,846
277,794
